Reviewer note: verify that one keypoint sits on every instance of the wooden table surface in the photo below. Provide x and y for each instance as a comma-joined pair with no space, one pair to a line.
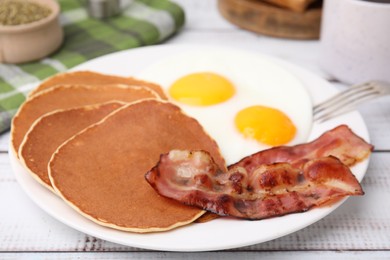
359,229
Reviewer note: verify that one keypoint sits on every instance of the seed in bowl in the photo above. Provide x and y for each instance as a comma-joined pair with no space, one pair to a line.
16,12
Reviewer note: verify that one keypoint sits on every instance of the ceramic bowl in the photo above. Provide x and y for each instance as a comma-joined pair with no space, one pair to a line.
32,41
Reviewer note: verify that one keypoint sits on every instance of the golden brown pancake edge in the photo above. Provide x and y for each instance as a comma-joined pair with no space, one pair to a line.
104,222
94,78
17,137
36,173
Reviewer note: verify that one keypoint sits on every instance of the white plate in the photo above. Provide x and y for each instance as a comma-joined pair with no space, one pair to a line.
218,234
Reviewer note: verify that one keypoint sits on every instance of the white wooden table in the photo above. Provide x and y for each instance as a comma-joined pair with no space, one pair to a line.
359,229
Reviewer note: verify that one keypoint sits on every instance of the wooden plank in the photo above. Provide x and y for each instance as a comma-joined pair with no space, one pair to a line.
305,255
4,141
377,117
362,223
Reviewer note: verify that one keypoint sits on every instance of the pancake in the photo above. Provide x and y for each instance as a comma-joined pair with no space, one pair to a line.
64,97
94,78
100,171
51,130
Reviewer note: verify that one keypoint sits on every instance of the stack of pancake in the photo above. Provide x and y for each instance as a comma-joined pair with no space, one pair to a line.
90,138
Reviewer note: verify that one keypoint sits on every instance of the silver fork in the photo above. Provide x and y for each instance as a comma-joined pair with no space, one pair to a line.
349,99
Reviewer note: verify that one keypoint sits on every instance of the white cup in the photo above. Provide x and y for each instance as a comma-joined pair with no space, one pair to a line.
355,40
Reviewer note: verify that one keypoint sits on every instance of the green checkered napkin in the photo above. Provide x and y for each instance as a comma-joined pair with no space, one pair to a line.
143,22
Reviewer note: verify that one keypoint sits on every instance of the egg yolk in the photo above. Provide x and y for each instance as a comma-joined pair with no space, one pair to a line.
267,125
202,89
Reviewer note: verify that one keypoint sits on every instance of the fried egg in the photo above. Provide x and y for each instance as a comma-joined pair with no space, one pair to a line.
201,89
245,101
267,125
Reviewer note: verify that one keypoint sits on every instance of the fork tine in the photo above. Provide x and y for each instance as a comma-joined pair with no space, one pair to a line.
345,106
348,99
342,95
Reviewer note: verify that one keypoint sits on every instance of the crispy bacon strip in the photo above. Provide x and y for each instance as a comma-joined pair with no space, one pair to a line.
258,187
339,142
193,178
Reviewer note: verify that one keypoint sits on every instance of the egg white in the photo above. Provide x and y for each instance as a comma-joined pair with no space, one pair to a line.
257,80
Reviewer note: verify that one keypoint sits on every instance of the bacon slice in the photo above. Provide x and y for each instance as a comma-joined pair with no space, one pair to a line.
257,187
193,178
339,142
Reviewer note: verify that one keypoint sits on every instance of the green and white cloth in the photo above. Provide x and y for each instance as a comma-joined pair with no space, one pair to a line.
141,23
